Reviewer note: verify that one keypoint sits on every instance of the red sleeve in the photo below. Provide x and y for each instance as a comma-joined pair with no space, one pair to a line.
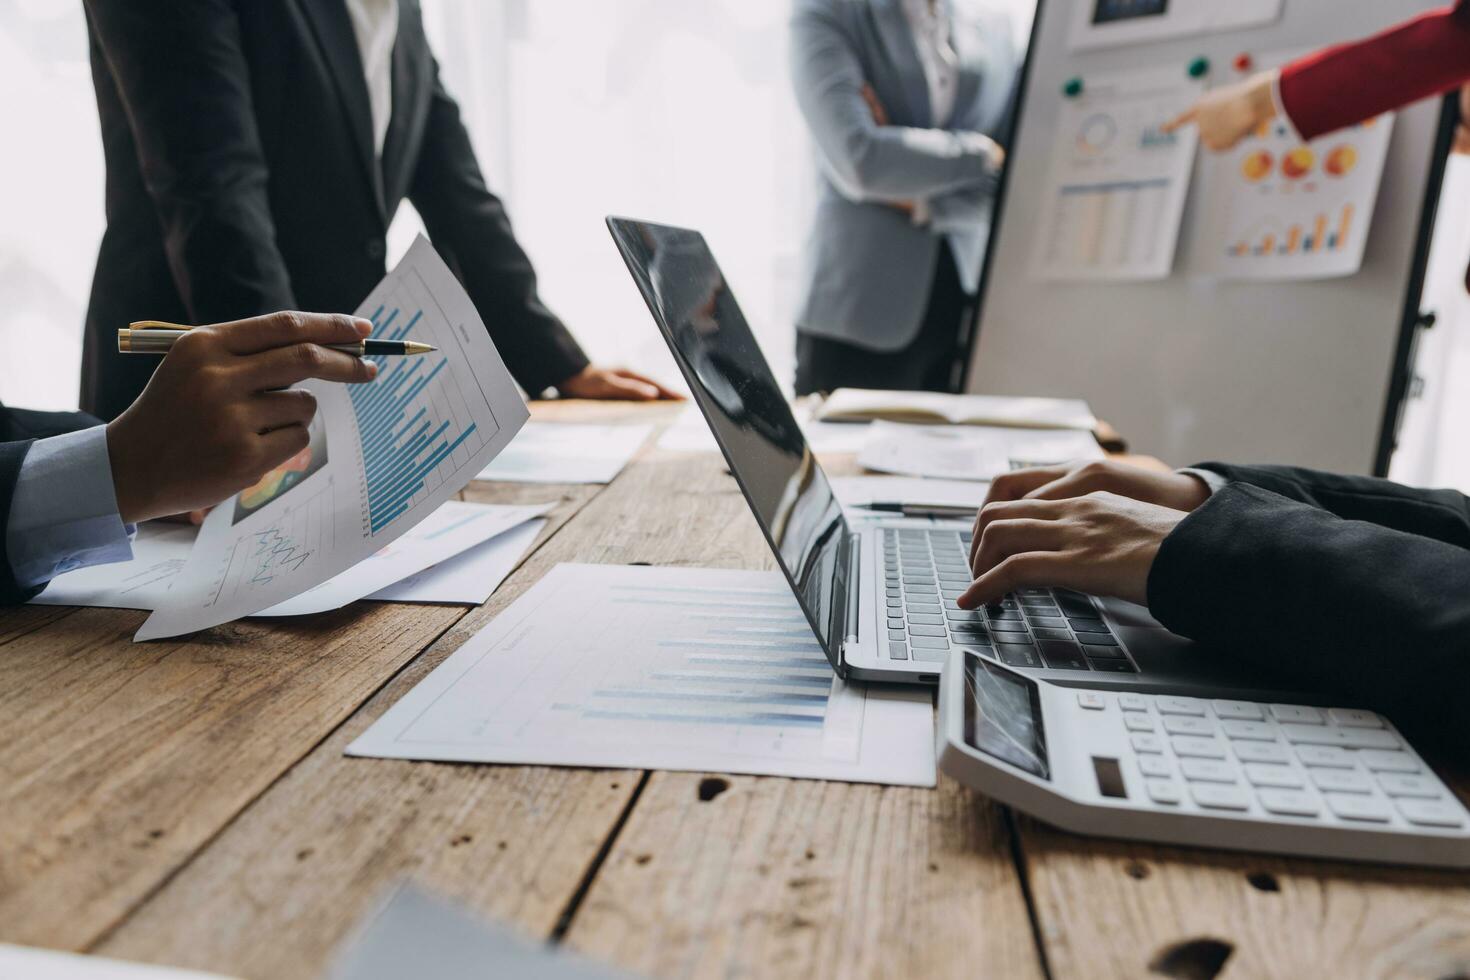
1345,84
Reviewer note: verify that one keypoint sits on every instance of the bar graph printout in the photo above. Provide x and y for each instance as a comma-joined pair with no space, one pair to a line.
1277,208
382,457
659,668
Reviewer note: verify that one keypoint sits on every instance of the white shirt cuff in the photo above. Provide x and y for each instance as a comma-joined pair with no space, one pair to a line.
63,515
1214,482
1291,129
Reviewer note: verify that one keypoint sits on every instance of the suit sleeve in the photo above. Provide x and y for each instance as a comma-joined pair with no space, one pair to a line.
1349,83
865,161
1443,515
183,79
12,458
1366,613
470,228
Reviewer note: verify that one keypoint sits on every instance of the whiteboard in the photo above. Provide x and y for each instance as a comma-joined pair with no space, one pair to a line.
1192,368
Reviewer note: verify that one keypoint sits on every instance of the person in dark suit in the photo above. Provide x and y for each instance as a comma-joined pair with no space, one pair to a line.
212,421
256,153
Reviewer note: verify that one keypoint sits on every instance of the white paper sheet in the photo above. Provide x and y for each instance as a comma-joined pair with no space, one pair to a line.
1118,184
445,534
31,963
1278,209
383,457
690,433
469,578
423,937
860,491
970,452
567,452
658,668
161,551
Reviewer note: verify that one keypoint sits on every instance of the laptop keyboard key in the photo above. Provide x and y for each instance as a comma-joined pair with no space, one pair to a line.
1102,653
927,630
1089,626
925,619
1063,656
930,643
897,635
1017,656
1113,666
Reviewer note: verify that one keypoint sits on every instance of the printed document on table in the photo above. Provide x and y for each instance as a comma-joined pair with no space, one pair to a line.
970,452
1113,204
382,457
1278,209
457,529
471,577
567,452
31,963
862,491
658,668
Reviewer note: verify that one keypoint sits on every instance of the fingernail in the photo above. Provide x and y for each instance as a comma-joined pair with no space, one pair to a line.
364,327
372,369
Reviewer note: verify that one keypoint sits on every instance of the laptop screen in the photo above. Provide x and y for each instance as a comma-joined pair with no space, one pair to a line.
747,412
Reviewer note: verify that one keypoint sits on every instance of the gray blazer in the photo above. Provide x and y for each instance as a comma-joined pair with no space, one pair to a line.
869,267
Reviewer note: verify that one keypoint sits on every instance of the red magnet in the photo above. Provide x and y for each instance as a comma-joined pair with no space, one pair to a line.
1242,62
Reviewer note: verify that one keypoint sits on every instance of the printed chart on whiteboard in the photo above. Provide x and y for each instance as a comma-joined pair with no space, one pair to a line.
1118,182
382,457
1277,208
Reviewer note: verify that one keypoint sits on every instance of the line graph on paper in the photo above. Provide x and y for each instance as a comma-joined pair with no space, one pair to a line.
415,428
283,547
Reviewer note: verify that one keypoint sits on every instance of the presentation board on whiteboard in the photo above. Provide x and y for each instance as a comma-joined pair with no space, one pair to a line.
1272,330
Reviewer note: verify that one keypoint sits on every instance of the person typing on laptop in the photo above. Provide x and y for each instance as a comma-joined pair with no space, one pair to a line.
1342,582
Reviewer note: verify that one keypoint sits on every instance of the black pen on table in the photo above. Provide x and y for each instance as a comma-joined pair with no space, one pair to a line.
920,510
157,337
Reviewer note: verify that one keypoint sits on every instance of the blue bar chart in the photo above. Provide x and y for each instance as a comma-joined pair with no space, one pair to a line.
405,432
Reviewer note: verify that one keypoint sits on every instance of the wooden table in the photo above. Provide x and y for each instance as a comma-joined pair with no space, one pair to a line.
188,803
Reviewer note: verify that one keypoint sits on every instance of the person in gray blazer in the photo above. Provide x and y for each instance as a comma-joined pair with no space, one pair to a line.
904,99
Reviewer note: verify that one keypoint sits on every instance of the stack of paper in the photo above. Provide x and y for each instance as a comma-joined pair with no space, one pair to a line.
928,407
567,452
686,668
690,433
970,452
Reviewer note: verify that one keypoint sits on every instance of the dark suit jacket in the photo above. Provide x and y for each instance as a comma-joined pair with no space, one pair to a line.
241,179
18,429
1354,586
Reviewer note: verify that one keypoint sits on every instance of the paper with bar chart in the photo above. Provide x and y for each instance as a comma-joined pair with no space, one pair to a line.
382,457
1113,204
658,668
1277,208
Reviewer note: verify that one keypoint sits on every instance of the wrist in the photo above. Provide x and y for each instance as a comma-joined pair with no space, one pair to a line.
1261,97
130,481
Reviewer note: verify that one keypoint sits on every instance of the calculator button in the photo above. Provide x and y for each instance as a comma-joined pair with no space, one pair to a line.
1341,781
1155,765
1261,752
898,651
1368,738
1326,755
1398,784
1378,761
1312,734
1257,730
1188,725
1132,702
1147,742
1292,803
1208,770
1296,712
1432,813
1354,718
1168,705
1351,807
1137,721
1091,700
1163,790
1197,747
1244,710
1264,774
1220,797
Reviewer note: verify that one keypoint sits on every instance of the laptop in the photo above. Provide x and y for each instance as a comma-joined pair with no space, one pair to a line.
880,593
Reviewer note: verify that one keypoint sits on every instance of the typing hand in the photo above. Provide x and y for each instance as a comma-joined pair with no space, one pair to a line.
1228,115
1102,544
219,412
615,384
1177,491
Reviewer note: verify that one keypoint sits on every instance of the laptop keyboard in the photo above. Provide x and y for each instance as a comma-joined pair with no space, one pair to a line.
925,571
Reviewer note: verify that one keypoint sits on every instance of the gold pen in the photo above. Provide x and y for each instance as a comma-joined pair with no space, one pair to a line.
157,337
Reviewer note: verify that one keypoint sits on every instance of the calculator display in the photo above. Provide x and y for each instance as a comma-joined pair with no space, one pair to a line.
1108,11
1003,716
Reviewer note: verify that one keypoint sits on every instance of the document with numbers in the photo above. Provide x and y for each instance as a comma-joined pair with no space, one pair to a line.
382,457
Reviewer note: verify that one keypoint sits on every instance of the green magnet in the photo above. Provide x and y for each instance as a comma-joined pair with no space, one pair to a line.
1072,88
1199,67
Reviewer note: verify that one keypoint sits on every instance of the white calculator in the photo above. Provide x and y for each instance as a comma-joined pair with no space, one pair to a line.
1245,775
